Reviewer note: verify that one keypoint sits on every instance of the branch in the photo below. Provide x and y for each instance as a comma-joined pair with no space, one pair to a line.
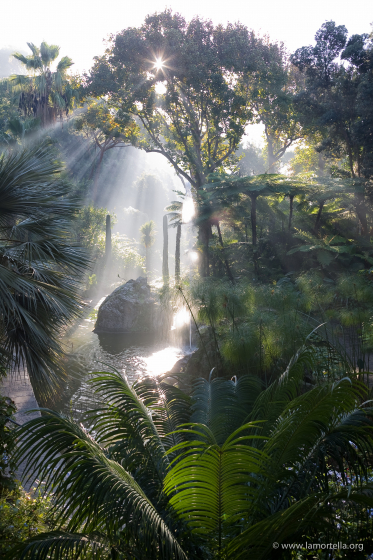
162,151
177,168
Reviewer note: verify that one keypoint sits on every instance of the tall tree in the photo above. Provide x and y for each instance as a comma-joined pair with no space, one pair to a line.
107,130
42,93
165,271
206,76
329,102
147,231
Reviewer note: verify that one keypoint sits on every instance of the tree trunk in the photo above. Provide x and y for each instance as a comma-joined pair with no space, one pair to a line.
318,217
204,238
361,212
165,271
271,156
291,198
253,218
108,240
227,268
321,163
177,254
147,260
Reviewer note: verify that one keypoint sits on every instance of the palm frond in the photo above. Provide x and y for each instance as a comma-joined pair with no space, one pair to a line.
312,516
222,404
93,493
40,265
127,425
209,486
61,545
271,402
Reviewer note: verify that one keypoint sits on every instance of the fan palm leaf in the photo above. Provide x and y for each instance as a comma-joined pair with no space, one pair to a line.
40,265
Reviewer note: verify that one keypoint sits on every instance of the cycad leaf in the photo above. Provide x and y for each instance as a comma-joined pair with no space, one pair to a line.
210,485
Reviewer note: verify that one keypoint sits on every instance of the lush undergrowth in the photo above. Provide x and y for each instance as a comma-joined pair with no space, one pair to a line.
225,472
255,328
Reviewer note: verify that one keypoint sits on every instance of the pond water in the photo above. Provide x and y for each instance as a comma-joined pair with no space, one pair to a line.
133,355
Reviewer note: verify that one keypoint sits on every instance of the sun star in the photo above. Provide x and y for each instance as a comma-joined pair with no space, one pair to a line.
158,64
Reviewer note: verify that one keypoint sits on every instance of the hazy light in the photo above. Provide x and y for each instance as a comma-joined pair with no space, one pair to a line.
160,88
188,210
158,64
181,318
162,361
193,256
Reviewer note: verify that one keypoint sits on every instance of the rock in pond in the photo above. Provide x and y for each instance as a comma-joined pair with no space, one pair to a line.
130,308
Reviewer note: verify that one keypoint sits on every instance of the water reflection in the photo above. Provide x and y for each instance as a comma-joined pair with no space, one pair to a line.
132,354
116,343
162,361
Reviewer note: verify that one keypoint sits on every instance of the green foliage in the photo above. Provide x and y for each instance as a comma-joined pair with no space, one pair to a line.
7,445
90,231
223,473
44,94
22,516
41,266
147,231
90,225
125,254
105,126
200,140
256,328
118,478
336,71
305,160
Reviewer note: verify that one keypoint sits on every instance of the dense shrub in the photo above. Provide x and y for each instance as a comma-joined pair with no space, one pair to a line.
22,516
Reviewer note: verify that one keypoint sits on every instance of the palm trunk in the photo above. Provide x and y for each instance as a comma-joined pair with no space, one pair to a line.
108,240
177,254
227,267
321,165
147,260
165,271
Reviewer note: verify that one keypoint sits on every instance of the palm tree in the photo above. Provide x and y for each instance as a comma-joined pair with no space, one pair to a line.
147,231
40,267
175,212
221,474
165,270
44,94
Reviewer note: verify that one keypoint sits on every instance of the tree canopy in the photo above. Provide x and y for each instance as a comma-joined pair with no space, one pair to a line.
190,87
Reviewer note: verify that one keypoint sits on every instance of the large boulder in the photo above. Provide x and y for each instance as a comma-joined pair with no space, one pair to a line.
130,308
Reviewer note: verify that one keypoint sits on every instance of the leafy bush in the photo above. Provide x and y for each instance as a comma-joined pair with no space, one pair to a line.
256,328
22,516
